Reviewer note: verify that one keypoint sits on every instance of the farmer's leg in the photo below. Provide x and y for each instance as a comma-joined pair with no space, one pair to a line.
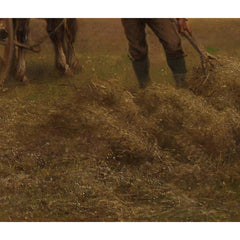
71,31
22,32
58,41
138,49
168,36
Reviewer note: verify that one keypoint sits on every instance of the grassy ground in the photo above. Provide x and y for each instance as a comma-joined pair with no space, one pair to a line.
94,148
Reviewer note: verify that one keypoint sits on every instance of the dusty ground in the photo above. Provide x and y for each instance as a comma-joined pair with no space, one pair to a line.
95,148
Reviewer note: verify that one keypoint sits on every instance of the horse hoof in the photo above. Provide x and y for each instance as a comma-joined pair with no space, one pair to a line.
68,71
3,89
25,80
65,70
22,78
76,66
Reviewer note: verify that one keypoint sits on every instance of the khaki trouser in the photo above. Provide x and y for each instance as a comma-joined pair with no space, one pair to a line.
163,28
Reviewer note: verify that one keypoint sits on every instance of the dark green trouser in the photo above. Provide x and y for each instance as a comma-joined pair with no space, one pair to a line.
138,49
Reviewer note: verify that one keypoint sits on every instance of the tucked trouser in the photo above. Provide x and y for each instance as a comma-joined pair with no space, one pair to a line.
167,35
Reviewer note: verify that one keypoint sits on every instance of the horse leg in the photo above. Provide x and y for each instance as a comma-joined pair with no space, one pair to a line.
15,57
22,32
58,42
71,30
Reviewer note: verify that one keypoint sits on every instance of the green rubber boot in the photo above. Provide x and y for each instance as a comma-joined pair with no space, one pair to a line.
180,80
179,70
141,69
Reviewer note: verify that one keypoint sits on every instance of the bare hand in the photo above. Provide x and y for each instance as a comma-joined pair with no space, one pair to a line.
183,26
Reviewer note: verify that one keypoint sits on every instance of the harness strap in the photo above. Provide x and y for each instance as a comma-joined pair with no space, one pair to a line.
37,44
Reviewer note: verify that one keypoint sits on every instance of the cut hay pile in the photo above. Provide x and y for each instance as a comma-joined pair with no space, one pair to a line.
106,154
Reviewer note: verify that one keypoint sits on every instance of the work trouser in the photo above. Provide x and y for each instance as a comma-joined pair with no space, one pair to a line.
167,34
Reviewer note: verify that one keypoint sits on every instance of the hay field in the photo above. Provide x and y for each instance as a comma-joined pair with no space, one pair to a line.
93,147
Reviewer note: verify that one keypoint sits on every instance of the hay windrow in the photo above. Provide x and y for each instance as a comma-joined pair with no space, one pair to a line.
103,153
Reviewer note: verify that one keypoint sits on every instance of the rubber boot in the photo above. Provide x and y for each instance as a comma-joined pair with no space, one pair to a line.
141,69
178,68
180,80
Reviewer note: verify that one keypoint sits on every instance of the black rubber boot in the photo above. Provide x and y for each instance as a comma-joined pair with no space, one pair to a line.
141,69
179,70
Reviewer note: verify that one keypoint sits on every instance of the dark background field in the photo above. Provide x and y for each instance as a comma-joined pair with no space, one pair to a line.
92,147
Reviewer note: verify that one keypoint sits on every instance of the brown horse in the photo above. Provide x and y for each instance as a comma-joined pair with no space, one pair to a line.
62,33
